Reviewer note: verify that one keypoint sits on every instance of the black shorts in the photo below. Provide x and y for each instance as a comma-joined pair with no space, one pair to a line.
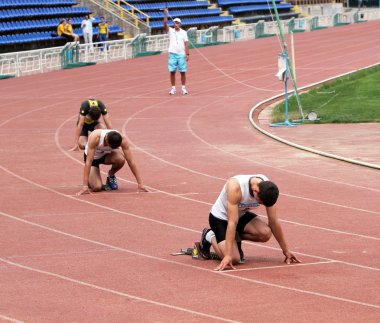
96,162
88,127
68,37
219,227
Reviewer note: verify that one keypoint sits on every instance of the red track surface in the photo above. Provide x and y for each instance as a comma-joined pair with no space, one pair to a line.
105,257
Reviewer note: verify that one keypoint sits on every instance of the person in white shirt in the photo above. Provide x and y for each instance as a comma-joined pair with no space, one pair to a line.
231,220
178,52
86,26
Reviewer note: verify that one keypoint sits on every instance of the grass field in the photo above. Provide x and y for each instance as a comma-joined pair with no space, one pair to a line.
350,99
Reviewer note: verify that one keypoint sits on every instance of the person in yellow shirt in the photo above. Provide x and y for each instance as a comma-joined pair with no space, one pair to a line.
102,31
61,28
68,29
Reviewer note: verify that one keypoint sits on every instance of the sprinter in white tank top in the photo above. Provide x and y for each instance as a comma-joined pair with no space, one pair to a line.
231,214
108,147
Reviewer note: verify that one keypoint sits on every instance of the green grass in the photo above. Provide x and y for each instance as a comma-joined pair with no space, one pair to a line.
350,99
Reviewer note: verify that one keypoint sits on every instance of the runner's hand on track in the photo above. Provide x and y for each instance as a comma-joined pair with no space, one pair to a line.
84,190
226,261
290,258
141,188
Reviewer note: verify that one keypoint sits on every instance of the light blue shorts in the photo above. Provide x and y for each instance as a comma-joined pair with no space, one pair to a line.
177,61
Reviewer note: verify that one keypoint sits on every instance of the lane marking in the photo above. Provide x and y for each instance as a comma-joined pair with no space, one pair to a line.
61,253
157,221
225,273
10,319
113,291
336,298
207,203
287,266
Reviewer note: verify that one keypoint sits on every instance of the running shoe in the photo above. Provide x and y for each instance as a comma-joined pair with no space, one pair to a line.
204,245
241,253
112,182
173,91
184,91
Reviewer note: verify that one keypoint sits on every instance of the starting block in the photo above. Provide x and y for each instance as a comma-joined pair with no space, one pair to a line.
187,251
195,253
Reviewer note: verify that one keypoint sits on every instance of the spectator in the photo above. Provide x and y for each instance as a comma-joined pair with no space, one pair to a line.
69,31
103,31
86,26
61,30
178,52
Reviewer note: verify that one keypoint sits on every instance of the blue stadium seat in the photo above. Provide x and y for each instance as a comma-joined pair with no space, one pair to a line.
252,8
245,2
196,21
34,21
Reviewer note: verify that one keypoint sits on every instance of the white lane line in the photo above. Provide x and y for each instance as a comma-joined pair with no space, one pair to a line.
326,229
38,215
78,199
287,266
336,298
156,221
302,147
60,253
113,291
207,203
256,244
183,264
10,319
247,159
232,154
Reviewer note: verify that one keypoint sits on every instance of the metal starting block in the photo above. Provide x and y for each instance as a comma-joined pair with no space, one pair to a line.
195,253
187,251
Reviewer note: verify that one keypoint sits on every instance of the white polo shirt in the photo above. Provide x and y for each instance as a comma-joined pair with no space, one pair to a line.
177,41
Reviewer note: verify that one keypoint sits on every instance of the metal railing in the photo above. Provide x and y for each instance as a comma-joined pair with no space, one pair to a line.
110,5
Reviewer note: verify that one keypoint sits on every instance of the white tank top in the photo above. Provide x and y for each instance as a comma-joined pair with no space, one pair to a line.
219,209
101,150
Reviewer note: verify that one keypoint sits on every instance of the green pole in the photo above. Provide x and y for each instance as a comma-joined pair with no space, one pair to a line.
287,59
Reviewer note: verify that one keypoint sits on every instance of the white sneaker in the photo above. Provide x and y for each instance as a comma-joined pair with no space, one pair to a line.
184,91
172,91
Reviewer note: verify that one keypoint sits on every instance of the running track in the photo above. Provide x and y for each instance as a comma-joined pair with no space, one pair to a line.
105,257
